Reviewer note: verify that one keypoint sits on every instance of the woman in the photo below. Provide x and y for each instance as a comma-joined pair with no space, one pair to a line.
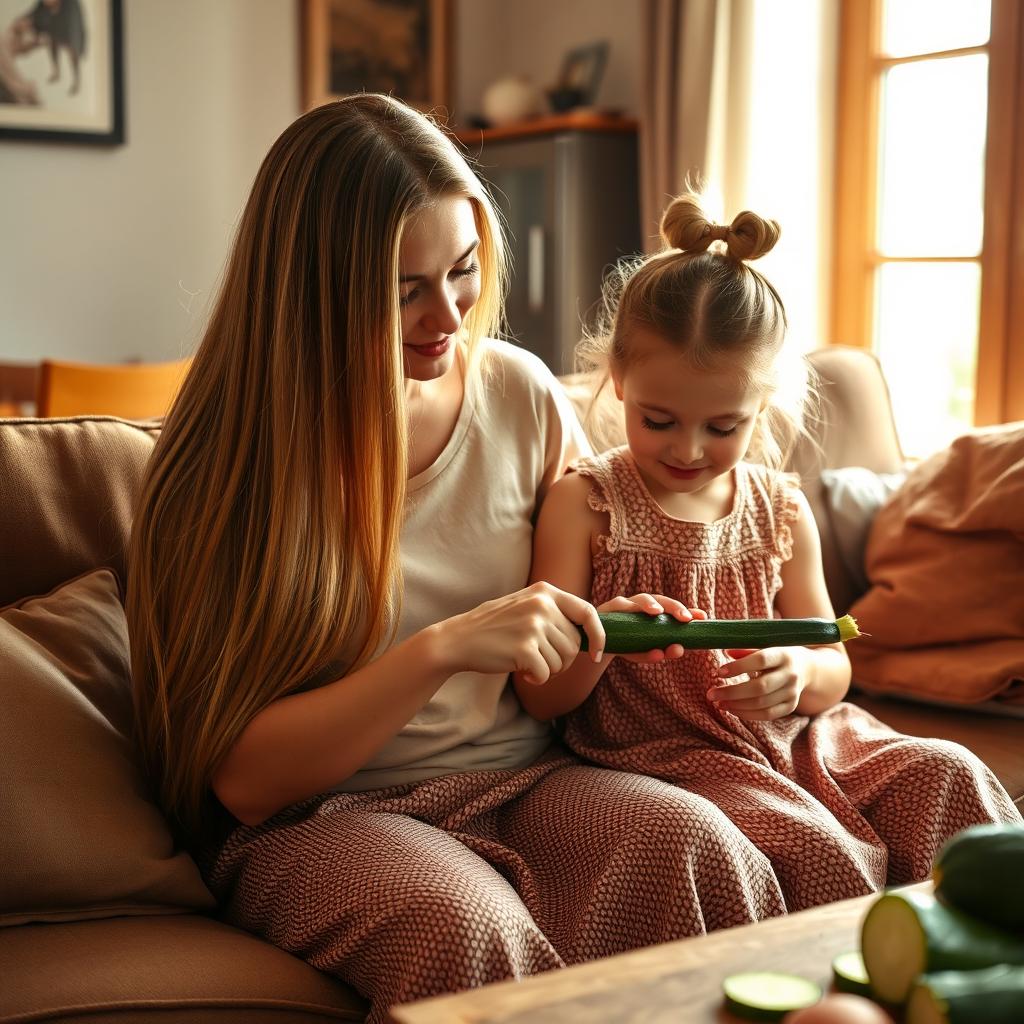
326,598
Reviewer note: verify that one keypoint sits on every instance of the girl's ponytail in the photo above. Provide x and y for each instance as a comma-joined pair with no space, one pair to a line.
685,226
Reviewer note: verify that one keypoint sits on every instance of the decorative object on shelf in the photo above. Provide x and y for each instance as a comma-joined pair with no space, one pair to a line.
393,46
510,99
580,78
62,71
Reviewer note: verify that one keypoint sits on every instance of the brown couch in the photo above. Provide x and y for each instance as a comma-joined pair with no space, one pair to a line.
100,917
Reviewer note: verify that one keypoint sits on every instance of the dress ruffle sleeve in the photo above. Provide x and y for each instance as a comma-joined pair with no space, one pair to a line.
603,496
786,508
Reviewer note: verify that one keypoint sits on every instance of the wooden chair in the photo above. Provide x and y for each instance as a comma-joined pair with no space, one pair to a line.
19,385
133,391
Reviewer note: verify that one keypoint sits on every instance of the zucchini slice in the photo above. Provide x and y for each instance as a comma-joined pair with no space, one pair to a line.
635,632
850,975
980,871
907,933
994,995
768,995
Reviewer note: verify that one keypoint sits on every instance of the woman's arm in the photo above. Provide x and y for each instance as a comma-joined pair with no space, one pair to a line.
803,679
308,742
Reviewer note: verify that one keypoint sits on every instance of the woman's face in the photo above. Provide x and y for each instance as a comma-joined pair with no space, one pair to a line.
439,282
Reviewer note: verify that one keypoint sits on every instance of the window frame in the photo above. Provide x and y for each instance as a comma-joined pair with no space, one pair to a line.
999,383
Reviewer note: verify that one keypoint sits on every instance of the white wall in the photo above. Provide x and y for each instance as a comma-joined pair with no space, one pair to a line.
112,253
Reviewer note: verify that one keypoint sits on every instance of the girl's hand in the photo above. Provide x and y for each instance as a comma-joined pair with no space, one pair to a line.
532,631
778,676
653,604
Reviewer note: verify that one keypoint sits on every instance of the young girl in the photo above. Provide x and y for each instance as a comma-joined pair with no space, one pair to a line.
694,513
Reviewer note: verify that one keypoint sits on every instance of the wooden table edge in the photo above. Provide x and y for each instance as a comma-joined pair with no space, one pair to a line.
834,926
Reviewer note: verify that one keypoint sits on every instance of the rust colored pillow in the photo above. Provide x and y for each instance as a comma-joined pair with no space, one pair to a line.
945,557
79,835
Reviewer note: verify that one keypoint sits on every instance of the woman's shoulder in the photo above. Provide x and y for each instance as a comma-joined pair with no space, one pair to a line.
508,366
519,388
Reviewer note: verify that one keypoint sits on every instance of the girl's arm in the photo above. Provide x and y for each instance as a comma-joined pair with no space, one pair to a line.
804,595
306,743
802,679
562,557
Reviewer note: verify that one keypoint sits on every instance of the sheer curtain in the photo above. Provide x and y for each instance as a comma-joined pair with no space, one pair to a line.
739,96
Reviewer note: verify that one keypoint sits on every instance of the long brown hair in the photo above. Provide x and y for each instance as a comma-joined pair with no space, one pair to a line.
710,304
266,536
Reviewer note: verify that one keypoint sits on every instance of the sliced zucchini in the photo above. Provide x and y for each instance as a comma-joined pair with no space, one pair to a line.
635,632
768,995
906,933
980,871
850,975
993,995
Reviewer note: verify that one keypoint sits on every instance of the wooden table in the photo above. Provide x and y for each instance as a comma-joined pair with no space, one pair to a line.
667,984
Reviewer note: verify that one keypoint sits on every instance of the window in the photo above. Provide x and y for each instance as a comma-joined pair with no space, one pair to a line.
929,259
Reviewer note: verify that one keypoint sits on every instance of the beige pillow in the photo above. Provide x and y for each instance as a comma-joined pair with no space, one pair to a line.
79,835
853,496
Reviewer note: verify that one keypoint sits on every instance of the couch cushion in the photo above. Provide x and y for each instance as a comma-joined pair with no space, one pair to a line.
69,487
169,970
79,835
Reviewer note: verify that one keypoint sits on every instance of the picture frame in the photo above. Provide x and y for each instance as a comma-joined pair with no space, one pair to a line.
62,71
399,47
581,74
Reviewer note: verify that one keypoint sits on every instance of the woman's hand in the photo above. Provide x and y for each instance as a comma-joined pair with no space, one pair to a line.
778,676
653,604
532,631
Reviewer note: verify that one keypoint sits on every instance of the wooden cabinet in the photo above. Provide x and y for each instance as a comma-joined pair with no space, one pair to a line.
567,190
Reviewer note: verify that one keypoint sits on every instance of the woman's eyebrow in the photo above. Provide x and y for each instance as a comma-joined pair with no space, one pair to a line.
420,277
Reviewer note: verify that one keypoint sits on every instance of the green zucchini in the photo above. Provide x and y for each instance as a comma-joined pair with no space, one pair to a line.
850,975
768,995
635,632
994,995
907,932
981,871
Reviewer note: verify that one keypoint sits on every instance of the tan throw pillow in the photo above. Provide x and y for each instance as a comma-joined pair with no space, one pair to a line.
79,835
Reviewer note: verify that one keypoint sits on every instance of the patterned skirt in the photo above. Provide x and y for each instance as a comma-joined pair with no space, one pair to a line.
466,879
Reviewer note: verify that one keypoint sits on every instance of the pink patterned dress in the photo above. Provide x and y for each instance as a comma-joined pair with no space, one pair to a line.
840,803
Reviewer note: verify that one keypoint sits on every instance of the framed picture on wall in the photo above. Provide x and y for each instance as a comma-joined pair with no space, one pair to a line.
62,71
398,47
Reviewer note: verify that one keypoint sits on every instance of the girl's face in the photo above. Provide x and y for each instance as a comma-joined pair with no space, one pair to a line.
439,283
685,426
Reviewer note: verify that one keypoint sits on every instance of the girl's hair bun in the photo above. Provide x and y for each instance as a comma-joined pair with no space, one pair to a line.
684,226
